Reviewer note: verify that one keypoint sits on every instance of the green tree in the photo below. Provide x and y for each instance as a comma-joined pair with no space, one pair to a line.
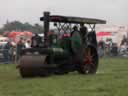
18,26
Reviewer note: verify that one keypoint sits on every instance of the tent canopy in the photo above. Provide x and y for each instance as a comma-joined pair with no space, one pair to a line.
103,34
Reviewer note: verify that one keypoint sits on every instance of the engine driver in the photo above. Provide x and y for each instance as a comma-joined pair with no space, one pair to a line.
36,41
83,31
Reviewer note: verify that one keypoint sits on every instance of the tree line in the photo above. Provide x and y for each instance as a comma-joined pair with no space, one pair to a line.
19,26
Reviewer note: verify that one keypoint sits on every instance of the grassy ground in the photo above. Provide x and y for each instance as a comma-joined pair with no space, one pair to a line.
110,80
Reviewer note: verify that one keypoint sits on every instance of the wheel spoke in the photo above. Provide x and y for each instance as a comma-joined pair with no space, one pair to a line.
88,52
90,61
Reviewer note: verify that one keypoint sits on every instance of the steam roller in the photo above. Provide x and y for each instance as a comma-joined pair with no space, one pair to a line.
54,55
42,63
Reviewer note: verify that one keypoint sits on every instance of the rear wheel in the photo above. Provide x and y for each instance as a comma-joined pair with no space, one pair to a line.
89,63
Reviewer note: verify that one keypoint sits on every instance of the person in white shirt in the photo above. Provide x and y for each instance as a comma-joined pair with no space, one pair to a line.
28,44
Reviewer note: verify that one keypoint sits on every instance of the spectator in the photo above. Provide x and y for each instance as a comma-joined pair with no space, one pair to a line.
124,40
101,44
7,52
28,44
20,46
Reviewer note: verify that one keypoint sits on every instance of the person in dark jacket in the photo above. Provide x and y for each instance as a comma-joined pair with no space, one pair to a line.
83,31
6,52
36,41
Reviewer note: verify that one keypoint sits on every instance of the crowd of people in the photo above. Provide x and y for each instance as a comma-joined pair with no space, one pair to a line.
105,47
110,48
10,51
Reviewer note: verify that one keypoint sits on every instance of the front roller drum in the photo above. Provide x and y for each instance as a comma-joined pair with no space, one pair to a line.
31,66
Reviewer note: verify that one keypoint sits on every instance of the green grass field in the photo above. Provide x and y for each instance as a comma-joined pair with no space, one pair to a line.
110,80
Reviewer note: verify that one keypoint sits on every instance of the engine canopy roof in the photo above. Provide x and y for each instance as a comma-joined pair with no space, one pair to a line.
71,19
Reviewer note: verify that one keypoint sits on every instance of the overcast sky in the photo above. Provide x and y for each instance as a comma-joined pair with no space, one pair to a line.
114,11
